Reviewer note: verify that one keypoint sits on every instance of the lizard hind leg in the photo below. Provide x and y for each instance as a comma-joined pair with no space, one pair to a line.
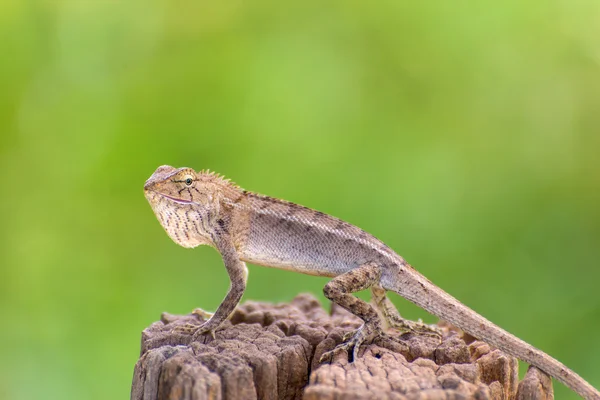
392,316
339,290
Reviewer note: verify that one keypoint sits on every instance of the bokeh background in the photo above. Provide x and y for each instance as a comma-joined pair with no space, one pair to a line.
464,135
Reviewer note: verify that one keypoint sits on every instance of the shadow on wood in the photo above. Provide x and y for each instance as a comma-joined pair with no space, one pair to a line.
272,351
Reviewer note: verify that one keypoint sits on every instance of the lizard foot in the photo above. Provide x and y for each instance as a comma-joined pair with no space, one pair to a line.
204,329
204,315
195,330
188,329
392,343
352,341
419,327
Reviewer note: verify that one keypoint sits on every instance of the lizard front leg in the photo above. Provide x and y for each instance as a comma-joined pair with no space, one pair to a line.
340,289
238,274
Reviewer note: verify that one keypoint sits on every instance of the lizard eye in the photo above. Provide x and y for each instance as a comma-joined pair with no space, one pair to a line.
188,181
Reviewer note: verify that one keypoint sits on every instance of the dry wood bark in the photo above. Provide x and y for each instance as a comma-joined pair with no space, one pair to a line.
272,351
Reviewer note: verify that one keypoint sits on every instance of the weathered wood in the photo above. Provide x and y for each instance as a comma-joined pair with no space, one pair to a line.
535,386
272,351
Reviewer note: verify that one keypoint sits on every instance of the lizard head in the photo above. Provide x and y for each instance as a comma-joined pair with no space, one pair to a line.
185,202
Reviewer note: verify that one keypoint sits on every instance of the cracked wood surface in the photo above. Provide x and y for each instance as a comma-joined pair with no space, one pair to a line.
272,351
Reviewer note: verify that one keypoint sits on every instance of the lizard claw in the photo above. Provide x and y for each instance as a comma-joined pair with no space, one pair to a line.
424,329
347,347
349,335
430,331
352,342
417,327
200,332
354,339
204,329
192,329
195,330
189,329
204,315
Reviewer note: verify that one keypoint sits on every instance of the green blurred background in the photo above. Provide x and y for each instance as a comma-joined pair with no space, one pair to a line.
464,135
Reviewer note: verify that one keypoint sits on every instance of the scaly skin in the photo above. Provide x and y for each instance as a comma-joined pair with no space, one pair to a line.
198,208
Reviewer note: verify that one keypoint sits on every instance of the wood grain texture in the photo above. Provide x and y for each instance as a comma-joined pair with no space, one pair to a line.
272,351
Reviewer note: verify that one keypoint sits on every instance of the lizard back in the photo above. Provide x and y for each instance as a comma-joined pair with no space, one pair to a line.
315,243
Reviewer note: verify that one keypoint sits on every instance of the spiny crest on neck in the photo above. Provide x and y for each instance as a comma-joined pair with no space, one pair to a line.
207,175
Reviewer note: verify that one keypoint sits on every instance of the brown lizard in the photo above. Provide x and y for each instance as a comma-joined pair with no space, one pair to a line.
198,208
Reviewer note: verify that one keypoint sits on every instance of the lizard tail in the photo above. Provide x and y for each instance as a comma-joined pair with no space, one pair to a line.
413,286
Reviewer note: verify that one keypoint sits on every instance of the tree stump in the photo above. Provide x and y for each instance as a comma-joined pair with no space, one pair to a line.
272,351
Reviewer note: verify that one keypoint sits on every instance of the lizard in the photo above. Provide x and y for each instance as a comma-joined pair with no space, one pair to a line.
204,208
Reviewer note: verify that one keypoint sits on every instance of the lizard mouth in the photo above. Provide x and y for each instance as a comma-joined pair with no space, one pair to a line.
176,200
